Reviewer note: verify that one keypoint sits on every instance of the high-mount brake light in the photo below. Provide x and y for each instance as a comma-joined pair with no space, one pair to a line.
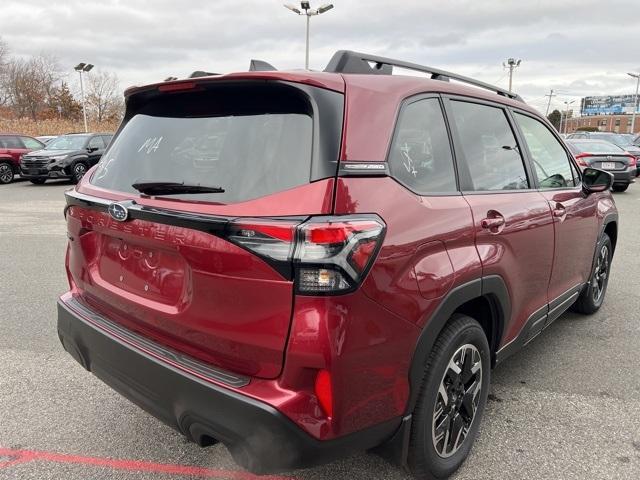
329,255
176,87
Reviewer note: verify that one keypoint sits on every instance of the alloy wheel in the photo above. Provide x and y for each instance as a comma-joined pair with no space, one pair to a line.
6,174
457,401
79,170
600,274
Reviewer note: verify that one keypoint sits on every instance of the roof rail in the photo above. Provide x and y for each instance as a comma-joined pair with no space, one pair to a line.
346,61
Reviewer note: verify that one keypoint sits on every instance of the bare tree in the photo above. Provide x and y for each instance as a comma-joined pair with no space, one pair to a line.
30,83
104,99
4,58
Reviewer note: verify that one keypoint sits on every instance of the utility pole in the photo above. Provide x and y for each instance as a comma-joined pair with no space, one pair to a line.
550,95
566,117
511,64
635,101
308,12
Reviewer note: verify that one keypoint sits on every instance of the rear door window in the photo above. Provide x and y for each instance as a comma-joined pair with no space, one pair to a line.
31,143
249,142
550,160
489,147
420,157
9,141
96,142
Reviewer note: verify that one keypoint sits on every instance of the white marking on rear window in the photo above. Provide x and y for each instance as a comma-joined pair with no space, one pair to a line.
150,145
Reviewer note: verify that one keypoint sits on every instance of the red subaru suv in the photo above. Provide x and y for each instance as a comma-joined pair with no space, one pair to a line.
303,264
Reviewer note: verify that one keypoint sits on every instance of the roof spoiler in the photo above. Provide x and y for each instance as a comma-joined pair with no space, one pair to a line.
346,61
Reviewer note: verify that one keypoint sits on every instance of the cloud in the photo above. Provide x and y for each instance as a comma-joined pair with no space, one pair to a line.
578,47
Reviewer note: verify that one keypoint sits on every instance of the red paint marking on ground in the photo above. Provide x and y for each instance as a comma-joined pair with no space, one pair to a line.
23,456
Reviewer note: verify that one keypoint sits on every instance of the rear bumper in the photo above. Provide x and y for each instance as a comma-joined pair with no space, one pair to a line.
259,437
624,177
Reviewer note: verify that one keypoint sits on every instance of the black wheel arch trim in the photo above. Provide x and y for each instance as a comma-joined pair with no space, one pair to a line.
492,288
611,217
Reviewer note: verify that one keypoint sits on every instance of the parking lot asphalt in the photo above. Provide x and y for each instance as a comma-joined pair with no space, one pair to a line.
566,407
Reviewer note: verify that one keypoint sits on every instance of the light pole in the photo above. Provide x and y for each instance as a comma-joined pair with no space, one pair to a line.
566,117
83,67
635,100
511,64
308,12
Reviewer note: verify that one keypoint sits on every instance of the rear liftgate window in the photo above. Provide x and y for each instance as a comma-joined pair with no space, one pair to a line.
249,141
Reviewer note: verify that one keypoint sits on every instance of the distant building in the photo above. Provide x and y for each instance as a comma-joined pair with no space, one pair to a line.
610,113
604,123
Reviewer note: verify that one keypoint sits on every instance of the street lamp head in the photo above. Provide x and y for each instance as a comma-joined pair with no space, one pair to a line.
292,8
325,8
79,67
87,67
634,75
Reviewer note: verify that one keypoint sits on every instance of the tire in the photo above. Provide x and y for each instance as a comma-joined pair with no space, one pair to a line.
620,188
592,295
77,171
6,173
38,181
430,455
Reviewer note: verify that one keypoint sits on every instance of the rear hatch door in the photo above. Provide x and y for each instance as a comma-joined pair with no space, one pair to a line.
206,274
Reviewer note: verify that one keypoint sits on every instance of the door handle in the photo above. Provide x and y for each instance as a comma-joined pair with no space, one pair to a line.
558,210
494,221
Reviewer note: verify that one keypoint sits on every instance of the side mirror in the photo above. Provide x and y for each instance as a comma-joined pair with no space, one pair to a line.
595,180
91,149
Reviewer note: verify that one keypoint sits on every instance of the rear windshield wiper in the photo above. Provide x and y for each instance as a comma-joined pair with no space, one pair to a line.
170,188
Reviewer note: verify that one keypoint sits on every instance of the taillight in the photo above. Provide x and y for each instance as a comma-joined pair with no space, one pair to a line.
323,255
333,254
271,239
632,161
580,159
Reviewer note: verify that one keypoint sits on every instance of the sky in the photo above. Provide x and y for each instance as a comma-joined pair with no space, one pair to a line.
576,47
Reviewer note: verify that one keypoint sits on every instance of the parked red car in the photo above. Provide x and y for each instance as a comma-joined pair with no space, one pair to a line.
12,147
303,264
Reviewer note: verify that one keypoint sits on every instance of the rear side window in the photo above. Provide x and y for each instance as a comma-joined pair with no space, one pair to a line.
251,142
489,147
9,141
550,160
420,155
106,139
96,142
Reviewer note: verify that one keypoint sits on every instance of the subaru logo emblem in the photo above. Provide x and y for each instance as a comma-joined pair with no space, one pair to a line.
118,212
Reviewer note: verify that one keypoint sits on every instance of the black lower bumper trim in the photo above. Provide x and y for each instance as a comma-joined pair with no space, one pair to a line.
260,439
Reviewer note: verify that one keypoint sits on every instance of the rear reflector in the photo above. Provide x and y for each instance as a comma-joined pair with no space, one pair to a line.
324,392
